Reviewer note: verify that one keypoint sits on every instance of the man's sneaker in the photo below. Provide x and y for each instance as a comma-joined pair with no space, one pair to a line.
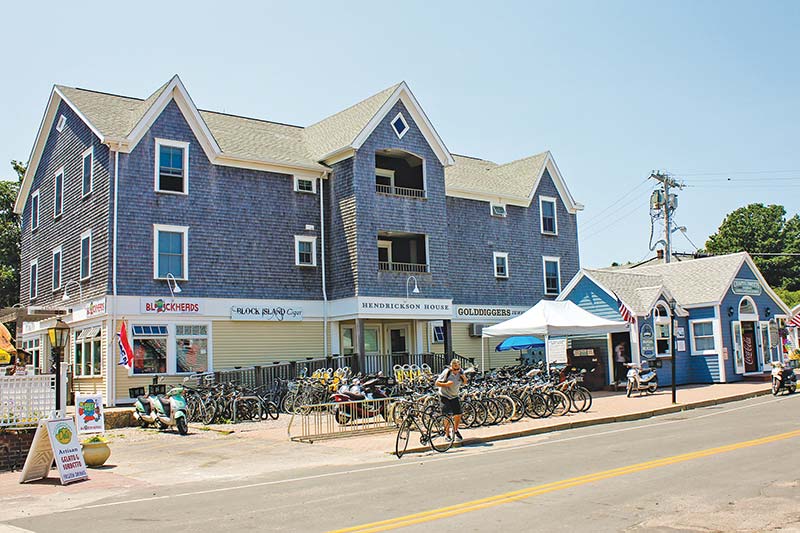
458,438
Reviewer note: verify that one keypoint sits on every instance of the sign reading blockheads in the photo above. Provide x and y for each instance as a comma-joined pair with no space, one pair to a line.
89,413
55,440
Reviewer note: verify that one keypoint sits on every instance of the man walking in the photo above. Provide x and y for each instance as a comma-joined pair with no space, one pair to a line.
449,382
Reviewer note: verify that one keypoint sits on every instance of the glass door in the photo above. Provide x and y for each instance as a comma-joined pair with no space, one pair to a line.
397,338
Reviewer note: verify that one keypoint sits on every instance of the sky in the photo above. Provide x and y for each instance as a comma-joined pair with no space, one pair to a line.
707,91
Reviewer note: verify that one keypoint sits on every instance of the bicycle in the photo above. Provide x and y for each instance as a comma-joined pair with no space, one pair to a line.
433,433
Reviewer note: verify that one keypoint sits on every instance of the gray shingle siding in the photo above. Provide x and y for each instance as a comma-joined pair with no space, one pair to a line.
342,249
378,212
241,224
65,149
474,235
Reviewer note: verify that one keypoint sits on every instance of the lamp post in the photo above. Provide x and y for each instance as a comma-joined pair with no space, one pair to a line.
59,334
672,329
415,290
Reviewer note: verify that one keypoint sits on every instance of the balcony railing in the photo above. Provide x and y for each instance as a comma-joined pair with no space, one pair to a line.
386,266
400,191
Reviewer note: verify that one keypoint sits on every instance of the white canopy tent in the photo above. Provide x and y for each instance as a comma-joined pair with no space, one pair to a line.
553,318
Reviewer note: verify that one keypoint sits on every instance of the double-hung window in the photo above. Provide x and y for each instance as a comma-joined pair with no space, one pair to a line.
170,246
34,280
702,332
305,251
172,166
661,320
57,254
88,171
58,193
35,210
552,275
547,210
86,254
88,353
150,349
191,348
32,346
500,264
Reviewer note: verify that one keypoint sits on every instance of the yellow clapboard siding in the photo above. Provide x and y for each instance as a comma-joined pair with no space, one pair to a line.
256,343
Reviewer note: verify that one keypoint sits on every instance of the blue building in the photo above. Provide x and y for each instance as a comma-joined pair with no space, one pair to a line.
727,318
227,241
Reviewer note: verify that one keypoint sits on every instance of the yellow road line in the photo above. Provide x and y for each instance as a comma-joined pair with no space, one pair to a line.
521,494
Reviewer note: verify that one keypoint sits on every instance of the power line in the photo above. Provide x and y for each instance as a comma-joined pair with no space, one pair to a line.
604,221
618,200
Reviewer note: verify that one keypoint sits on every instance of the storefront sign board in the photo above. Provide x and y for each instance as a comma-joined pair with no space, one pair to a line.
268,313
556,350
411,307
647,341
89,413
748,287
96,307
485,313
169,306
55,440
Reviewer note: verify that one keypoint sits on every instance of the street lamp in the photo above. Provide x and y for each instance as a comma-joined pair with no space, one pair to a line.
66,296
59,335
176,289
672,329
415,290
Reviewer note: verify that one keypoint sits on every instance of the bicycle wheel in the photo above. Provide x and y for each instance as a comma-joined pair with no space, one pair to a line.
559,403
403,434
437,438
272,409
578,401
588,395
519,408
467,414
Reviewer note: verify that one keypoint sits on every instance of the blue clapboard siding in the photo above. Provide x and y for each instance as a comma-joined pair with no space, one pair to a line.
588,296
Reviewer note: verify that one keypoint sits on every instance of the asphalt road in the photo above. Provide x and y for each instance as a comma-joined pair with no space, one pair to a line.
734,467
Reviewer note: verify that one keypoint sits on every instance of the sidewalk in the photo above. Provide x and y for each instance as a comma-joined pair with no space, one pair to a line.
159,460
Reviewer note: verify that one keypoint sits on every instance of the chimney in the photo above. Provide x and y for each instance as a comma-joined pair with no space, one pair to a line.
660,254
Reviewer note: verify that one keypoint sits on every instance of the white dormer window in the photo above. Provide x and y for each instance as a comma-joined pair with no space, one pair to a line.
547,212
399,125
308,185
62,121
498,210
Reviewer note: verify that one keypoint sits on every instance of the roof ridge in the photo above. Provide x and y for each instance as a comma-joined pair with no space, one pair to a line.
392,88
723,256
473,157
100,92
251,118
522,159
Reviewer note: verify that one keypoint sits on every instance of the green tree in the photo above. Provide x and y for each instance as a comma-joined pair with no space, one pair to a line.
790,298
9,238
760,229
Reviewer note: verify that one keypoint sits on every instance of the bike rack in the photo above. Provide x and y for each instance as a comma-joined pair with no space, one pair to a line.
257,400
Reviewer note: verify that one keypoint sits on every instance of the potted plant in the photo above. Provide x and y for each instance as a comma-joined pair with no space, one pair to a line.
95,451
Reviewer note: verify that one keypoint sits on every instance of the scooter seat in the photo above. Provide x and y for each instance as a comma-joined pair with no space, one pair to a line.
145,401
355,397
164,399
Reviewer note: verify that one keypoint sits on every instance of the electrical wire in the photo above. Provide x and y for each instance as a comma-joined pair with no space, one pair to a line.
618,200
604,221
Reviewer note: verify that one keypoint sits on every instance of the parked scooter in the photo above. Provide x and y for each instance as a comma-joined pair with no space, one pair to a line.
368,390
783,378
641,378
163,410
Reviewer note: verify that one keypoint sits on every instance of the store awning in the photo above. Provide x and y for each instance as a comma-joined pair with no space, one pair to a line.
518,343
549,318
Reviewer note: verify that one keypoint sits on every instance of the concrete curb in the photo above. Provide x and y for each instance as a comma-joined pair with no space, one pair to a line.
598,421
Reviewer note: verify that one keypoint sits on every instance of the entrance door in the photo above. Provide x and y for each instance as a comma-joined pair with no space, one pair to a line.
372,340
397,338
749,350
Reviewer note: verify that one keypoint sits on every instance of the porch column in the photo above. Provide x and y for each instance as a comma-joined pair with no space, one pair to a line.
334,337
359,360
448,337
421,330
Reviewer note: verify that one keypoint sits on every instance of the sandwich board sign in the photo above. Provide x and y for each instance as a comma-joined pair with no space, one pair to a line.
55,440
89,413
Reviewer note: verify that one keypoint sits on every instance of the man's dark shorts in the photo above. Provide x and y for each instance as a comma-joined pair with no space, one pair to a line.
450,406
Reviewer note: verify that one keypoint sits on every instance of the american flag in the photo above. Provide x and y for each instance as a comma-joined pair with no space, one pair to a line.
625,312
795,321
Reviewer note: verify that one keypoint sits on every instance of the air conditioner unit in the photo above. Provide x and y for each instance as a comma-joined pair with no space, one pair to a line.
475,330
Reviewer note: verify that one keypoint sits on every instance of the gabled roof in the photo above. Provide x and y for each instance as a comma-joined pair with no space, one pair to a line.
515,182
694,283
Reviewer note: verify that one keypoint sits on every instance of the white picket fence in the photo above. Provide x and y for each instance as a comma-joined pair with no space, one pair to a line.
24,400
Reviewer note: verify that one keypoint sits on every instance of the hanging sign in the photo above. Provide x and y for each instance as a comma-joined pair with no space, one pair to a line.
748,287
647,341
55,440
557,351
89,413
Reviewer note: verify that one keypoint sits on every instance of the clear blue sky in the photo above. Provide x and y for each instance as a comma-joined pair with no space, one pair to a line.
706,90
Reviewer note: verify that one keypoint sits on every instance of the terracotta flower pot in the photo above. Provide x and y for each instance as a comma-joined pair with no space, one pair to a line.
95,453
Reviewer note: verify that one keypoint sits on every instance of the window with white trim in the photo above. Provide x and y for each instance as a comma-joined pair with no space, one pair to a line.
399,125
437,333
551,267
498,210
662,328
703,341
308,185
57,255
58,193
547,213
170,251
35,210
88,172
500,260
347,341
88,353
86,255
172,166
62,121
150,349
191,348
33,347
34,279
305,250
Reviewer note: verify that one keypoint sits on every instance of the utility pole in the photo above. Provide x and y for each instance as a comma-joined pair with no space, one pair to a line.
667,203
